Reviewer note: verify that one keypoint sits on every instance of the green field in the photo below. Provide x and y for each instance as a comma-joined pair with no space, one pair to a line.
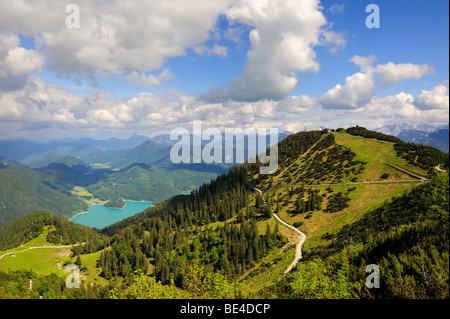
81,191
39,257
380,157
89,198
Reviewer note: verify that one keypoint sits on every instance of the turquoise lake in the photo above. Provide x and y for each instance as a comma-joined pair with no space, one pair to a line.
99,216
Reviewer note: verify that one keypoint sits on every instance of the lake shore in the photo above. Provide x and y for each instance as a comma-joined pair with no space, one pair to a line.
84,212
125,200
118,209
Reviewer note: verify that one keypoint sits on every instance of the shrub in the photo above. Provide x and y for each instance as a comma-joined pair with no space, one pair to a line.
297,224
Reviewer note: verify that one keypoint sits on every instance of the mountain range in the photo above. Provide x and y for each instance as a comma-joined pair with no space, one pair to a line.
74,174
19,150
112,153
67,190
426,134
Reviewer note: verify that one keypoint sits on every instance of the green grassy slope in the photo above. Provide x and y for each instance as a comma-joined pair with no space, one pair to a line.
342,163
381,158
339,163
38,247
406,237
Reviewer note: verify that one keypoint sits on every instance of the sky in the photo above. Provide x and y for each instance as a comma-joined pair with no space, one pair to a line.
150,66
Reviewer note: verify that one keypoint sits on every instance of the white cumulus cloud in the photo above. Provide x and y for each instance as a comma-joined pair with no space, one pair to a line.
393,74
282,40
357,91
360,87
150,79
15,62
435,99
115,37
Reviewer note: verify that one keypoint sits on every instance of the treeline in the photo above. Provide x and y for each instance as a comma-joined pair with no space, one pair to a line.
422,204
23,229
424,156
65,232
362,131
223,197
410,243
329,162
229,249
198,282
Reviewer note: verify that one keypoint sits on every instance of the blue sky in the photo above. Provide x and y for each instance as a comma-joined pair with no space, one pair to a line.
412,31
152,66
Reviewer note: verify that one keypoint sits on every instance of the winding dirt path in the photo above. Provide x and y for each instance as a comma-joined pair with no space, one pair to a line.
298,250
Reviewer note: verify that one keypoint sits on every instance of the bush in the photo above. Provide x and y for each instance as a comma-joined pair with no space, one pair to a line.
297,224
337,203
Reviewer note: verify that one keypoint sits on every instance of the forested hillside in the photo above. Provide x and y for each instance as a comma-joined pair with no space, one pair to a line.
182,230
23,191
355,196
54,188
62,232
145,182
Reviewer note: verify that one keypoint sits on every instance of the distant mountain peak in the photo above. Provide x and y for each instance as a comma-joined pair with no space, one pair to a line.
427,134
397,128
